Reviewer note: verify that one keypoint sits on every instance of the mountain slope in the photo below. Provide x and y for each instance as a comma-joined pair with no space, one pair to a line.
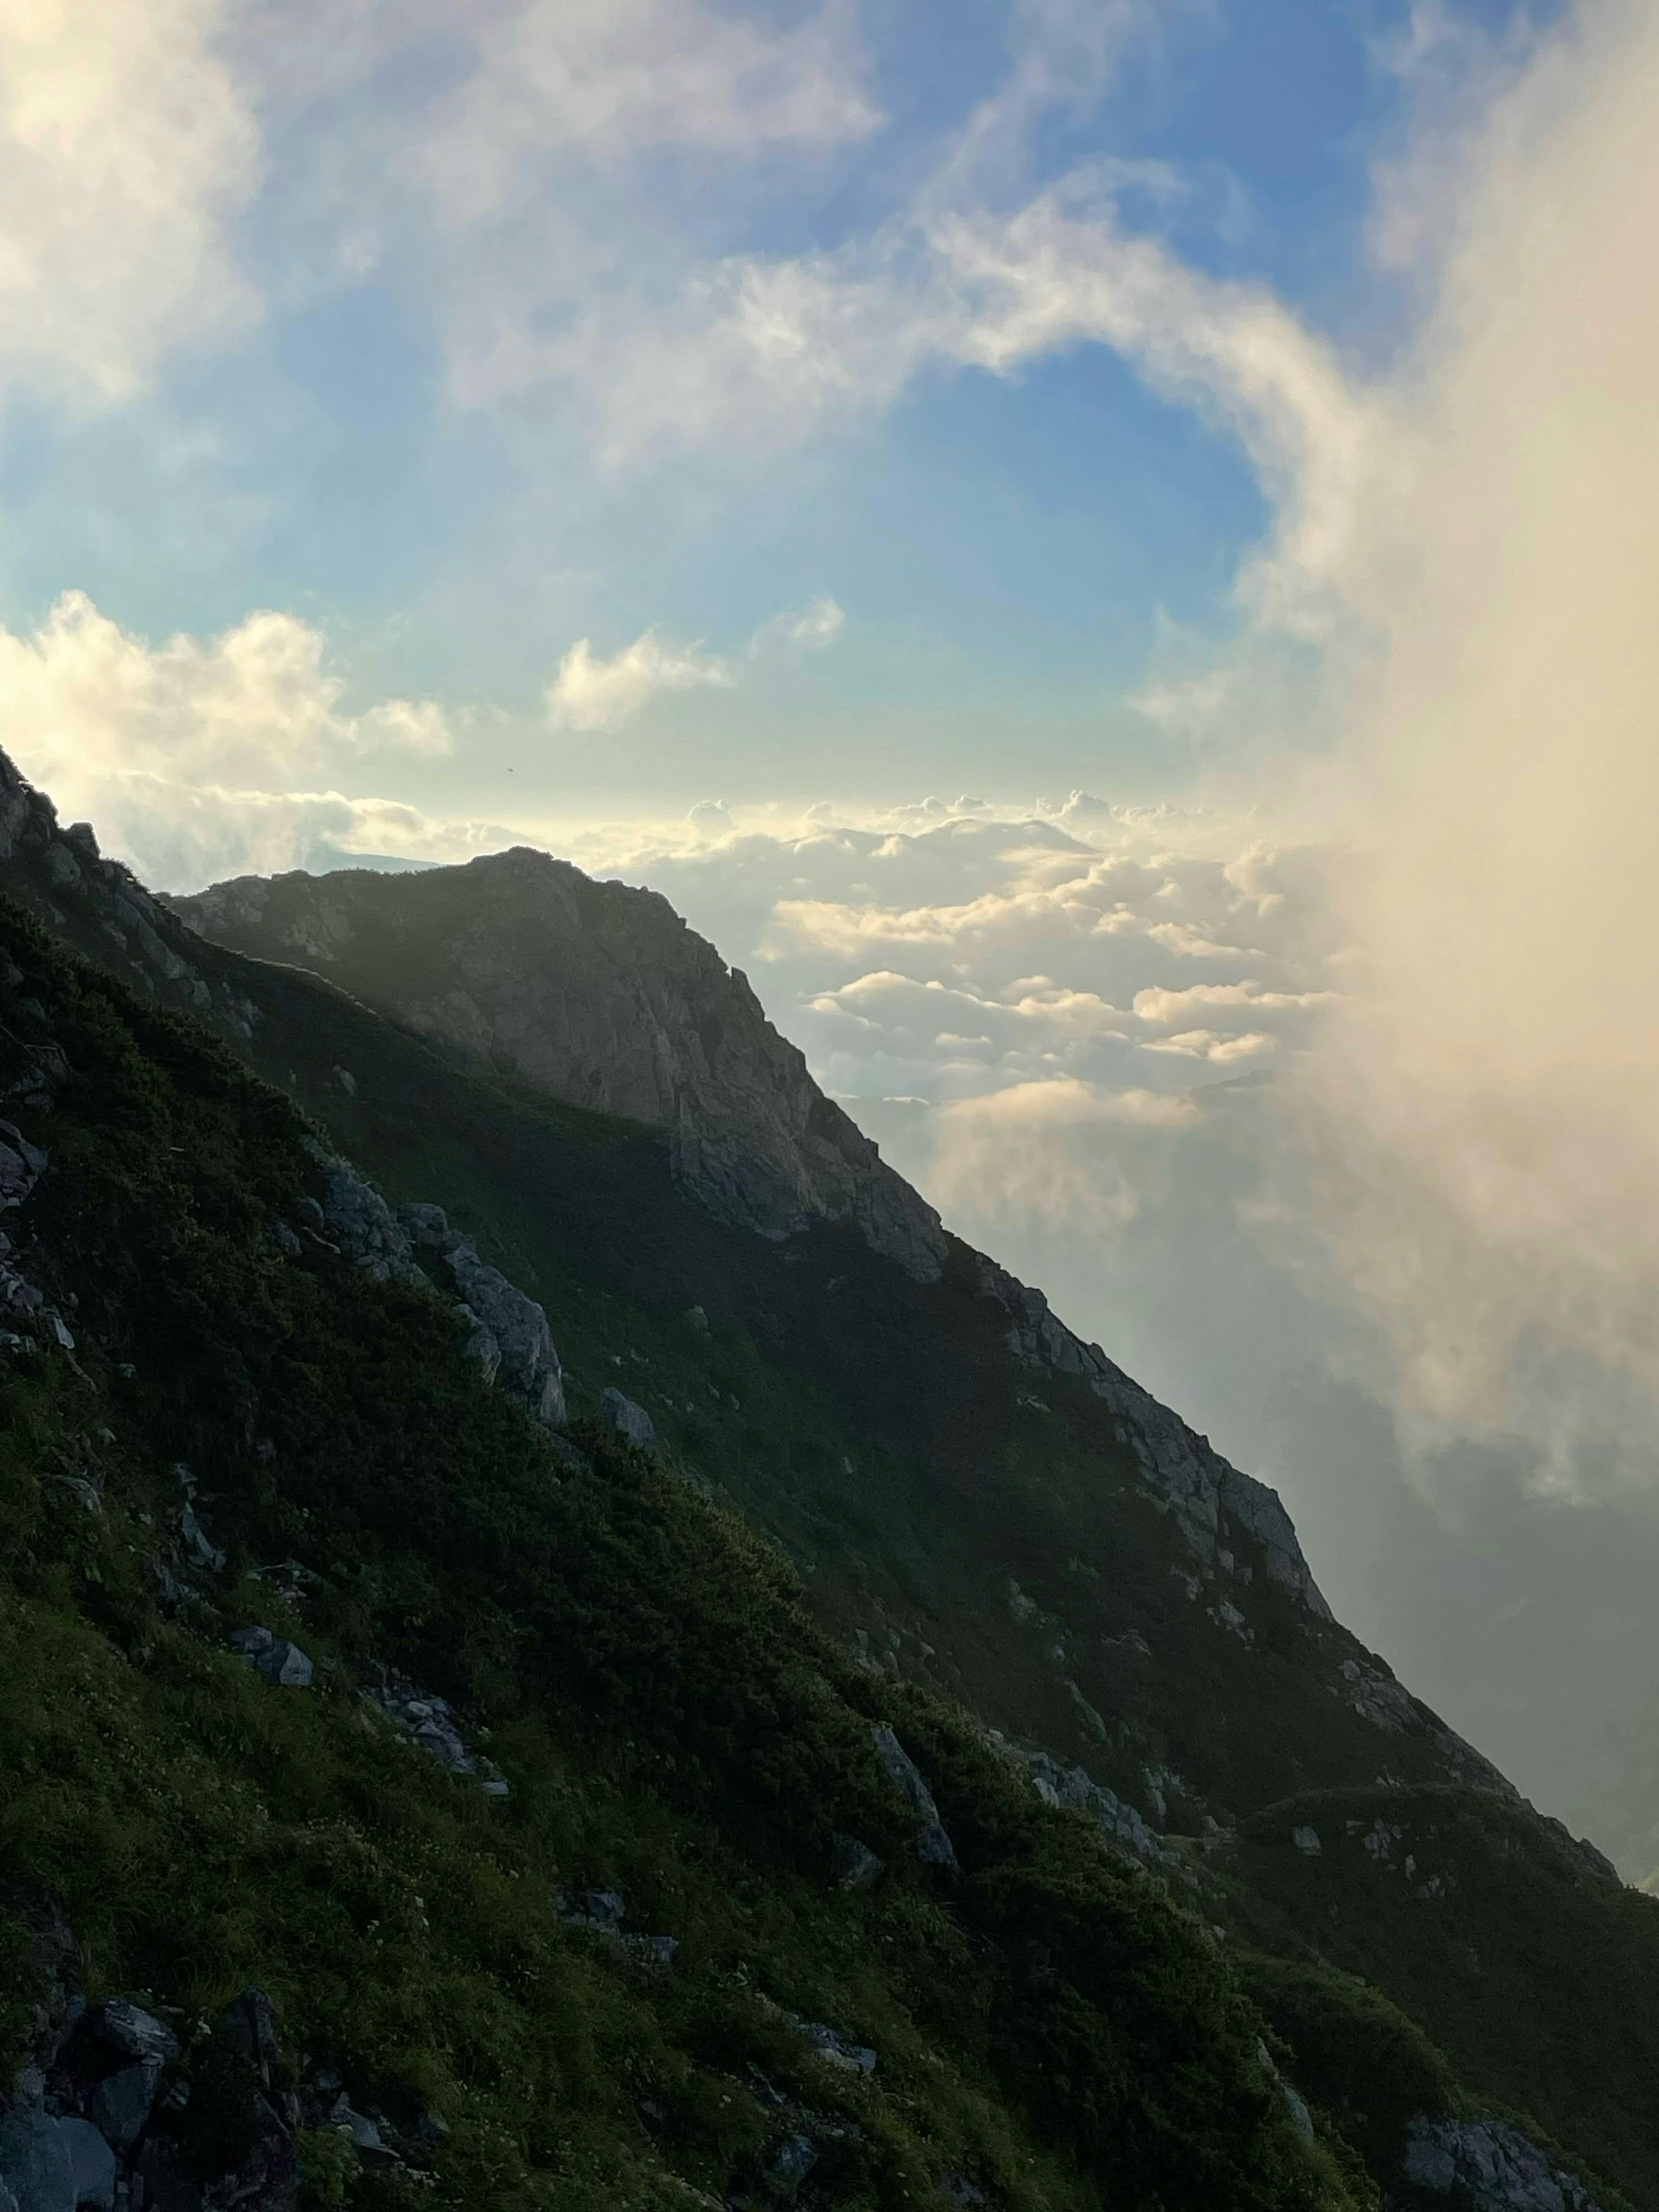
983,1510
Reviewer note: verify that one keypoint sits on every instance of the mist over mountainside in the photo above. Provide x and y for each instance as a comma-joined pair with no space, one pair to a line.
824,1470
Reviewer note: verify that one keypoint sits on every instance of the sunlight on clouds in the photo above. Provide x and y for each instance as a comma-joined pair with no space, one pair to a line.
180,752
126,149
590,693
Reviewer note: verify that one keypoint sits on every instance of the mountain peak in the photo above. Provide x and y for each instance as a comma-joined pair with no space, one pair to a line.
600,995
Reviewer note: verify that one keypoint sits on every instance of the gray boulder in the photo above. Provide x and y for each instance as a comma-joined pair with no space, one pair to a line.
272,1657
933,1847
133,2032
36,2162
121,2103
529,1364
92,2162
627,1419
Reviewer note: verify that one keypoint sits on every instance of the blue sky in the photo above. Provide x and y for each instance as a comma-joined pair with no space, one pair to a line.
428,348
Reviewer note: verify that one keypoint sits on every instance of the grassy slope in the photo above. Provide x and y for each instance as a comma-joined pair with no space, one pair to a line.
671,1720
954,1485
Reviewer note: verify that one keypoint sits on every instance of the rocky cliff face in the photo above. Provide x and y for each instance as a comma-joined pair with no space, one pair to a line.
602,996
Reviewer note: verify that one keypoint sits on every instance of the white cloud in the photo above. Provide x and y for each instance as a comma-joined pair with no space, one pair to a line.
126,149
590,693
188,752
84,696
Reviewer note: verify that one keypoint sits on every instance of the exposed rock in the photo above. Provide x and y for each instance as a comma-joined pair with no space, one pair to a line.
427,1226
1307,1842
856,1864
1489,2167
199,1547
932,1845
36,2162
362,1223
120,2102
1073,1787
602,1912
794,2160
528,1365
1296,2111
429,1722
249,2026
835,2049
92,2163
21,1166
627,1419
129,2030
601,996
481,1345
272,1657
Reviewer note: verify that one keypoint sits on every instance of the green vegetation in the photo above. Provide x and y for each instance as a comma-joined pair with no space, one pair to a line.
673,1724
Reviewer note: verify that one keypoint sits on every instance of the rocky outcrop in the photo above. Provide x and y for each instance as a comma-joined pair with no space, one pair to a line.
1201,1489
1484,2167
508,1332
932,1846
628,1420
602,996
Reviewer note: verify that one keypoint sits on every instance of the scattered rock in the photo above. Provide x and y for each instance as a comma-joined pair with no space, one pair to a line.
933,1847
627,1419
602,1912
199,1547
429,1720
834,2048
272,1657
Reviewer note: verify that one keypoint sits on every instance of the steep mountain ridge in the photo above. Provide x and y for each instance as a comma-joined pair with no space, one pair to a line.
984,1510
601,996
